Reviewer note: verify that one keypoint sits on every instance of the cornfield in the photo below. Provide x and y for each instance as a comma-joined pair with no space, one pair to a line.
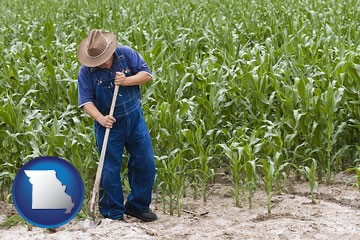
253,91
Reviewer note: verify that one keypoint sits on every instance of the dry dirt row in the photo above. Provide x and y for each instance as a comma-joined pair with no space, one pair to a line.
336,215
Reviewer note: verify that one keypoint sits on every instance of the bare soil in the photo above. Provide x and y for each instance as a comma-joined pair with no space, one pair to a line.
335,215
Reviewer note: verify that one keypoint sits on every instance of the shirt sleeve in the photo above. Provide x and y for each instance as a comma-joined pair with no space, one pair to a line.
86,91
135,61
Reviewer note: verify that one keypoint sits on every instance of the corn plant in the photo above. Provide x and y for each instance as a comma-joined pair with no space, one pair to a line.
331,100
251,149
358,177
310,173
268,167
234,152
250,169
200,163
171,176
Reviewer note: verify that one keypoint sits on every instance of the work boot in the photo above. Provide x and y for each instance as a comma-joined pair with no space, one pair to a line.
145,216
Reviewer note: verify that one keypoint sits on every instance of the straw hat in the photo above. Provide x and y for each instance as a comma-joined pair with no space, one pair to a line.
97,48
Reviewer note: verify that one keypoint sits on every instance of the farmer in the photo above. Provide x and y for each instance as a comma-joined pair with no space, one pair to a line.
105,64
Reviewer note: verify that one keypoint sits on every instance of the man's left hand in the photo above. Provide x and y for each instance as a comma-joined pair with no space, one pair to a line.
120,79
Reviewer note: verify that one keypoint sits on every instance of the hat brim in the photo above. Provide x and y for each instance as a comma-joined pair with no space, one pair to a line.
85,60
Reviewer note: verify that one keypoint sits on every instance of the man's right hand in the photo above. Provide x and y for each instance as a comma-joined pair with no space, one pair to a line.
107,121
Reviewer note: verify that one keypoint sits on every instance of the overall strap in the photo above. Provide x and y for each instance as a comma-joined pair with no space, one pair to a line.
126,71
122,61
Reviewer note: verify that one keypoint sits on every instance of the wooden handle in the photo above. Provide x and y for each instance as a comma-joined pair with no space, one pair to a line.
95,191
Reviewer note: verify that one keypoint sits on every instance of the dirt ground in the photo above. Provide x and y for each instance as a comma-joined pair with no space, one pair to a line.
336,215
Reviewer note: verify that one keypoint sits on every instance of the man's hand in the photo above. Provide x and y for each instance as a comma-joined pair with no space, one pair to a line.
107,121
120,79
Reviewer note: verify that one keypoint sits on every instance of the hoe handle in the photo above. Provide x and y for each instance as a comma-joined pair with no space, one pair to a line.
95,192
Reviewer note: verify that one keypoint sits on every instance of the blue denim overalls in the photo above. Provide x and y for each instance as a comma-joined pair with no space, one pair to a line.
129,131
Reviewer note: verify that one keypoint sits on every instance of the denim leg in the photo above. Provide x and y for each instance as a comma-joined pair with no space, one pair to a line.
111,199
141,165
